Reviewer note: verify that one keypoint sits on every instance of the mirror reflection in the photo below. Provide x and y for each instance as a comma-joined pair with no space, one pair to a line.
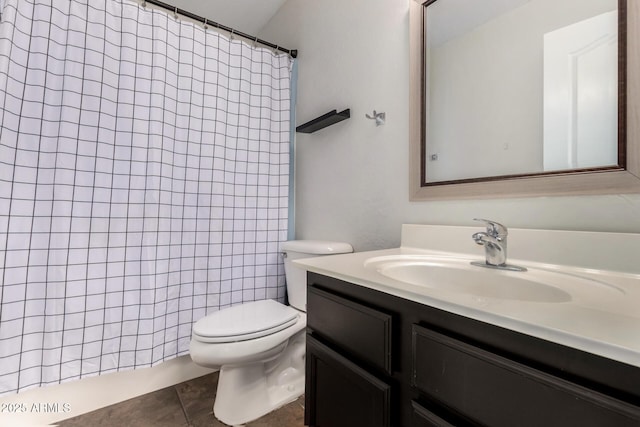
520,87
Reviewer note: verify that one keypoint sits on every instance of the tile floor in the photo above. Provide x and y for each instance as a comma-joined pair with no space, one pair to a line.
189,404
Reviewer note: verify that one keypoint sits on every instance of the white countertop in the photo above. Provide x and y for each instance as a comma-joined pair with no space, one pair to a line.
606,323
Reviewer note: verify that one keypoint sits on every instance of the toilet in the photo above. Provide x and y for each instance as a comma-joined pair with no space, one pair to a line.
259,346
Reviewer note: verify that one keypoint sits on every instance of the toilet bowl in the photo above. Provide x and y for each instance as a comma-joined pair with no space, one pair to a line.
259,346
261,367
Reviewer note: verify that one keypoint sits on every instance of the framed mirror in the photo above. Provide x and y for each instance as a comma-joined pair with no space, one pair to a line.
516,98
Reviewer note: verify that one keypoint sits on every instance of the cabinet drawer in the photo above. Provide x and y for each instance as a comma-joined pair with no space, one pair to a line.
339,393
360,331
492,390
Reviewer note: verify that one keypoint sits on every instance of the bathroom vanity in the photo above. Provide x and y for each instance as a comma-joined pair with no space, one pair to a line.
386,350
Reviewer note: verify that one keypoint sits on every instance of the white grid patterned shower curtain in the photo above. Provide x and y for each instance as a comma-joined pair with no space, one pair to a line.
143,184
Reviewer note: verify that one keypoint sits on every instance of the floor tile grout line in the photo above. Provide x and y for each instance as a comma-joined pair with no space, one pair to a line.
184,410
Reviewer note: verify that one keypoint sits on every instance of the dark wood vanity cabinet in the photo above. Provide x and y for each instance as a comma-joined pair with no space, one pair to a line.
342,363
378,360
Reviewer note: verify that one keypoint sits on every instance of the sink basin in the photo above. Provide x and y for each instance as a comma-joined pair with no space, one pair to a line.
458,275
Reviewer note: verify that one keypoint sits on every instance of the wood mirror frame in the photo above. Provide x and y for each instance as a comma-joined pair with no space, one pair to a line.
588,182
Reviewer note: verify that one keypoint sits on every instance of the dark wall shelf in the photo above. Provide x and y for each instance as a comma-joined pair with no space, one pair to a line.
323,121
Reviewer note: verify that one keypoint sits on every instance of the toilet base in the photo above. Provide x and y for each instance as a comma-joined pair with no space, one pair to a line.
247,392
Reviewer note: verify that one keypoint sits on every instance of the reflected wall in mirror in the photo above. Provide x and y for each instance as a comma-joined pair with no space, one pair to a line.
529,94
543,98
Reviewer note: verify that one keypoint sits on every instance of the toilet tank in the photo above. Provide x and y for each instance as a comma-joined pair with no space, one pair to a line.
296,276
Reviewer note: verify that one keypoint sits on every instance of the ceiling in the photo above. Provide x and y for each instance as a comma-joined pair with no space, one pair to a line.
447,20
248,16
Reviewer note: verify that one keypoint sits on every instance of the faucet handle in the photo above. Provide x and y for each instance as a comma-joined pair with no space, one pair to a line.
494,229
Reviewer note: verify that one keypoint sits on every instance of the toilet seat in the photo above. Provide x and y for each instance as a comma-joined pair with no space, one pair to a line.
244,322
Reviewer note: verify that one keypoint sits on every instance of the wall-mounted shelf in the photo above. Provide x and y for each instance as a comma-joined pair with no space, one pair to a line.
323,121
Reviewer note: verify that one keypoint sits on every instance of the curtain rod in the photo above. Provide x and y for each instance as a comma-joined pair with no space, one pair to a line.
292,52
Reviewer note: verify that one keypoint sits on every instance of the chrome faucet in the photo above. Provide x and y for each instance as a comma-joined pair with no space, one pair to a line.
494,240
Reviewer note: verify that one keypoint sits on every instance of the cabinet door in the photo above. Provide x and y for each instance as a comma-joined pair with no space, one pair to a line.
341,394
422,417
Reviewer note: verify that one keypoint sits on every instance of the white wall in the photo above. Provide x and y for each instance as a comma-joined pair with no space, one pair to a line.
352,178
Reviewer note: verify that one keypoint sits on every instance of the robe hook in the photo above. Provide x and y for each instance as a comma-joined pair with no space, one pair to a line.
378,117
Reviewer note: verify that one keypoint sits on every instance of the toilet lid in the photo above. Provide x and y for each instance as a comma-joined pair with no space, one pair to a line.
245,321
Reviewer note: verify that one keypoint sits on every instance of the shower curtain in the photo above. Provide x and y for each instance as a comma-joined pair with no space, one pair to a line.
144,166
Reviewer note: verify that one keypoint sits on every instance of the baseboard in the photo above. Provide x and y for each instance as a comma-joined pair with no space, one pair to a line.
45,406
